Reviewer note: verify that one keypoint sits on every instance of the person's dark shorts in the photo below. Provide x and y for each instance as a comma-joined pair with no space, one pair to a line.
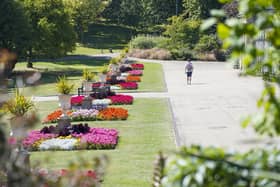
189,74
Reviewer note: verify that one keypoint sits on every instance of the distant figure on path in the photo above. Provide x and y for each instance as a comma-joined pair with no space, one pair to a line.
189,70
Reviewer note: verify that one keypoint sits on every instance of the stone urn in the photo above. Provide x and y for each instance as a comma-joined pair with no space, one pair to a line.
87,85
102,78
114,68
65,104
18,127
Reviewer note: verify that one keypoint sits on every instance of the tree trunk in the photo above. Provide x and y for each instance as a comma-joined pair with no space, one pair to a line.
29,61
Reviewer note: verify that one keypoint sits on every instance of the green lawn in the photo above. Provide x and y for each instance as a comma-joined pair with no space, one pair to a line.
51,70
147,131
152,80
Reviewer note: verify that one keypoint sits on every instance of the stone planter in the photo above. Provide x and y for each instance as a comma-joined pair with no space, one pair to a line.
65,101
114,68
65,104
87,85
18,127
102,78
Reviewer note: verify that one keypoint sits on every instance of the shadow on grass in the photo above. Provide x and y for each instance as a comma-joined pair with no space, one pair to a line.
105,36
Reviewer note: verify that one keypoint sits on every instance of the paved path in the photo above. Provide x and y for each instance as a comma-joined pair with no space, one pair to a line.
209,112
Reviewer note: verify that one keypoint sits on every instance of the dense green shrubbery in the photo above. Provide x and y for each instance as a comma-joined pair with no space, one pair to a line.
148,42
207,43
182,54
196,166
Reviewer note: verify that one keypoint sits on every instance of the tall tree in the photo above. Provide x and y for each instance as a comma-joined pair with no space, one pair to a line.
14,27
157,11
131,12
52,33
83,13
112,11
200,9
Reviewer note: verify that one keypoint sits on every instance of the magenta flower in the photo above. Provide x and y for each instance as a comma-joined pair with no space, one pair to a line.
129,85
121,99
77,100
137,66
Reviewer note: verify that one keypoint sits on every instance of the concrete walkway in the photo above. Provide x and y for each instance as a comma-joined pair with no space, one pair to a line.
210,111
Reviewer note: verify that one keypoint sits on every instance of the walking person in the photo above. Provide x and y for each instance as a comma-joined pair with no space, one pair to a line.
189,70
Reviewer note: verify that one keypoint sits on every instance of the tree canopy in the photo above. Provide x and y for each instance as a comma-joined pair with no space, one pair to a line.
52,32
14,30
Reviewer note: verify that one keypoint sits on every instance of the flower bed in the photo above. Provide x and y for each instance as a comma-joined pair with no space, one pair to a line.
90,115
71,138
77,100
129,85
121,99
53,117
132,78
137,66
136,72
100,104
113,114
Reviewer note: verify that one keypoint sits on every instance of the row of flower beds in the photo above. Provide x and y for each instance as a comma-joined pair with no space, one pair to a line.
137,66
111,100
108,114
74,137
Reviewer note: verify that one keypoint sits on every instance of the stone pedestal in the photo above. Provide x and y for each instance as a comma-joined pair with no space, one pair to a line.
63,122
87,103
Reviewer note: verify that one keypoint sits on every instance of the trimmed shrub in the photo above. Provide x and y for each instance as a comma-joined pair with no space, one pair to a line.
220,55
182,54
148,42
207,43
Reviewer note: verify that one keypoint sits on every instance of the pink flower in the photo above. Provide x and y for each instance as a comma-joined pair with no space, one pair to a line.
77,100
137,66
12,141
136,72
129,85
121,99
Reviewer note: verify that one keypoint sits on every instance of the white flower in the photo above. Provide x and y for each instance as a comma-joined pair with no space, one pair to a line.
115,88
59,144
101,102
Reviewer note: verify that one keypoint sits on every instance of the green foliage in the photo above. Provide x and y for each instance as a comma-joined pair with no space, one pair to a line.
213,167
141,13
52,33
259,21
183,33
104,69
19,105
116,60
63,86
83,13
87,75
207,43
182,54
14,27
148,42
199,9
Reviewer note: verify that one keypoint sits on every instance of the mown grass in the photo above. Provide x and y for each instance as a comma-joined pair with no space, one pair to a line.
147,131
50,71
152,80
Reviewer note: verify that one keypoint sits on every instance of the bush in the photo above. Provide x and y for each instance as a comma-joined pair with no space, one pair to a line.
155,53
148,42
182,54
182,32
207,43
220,55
